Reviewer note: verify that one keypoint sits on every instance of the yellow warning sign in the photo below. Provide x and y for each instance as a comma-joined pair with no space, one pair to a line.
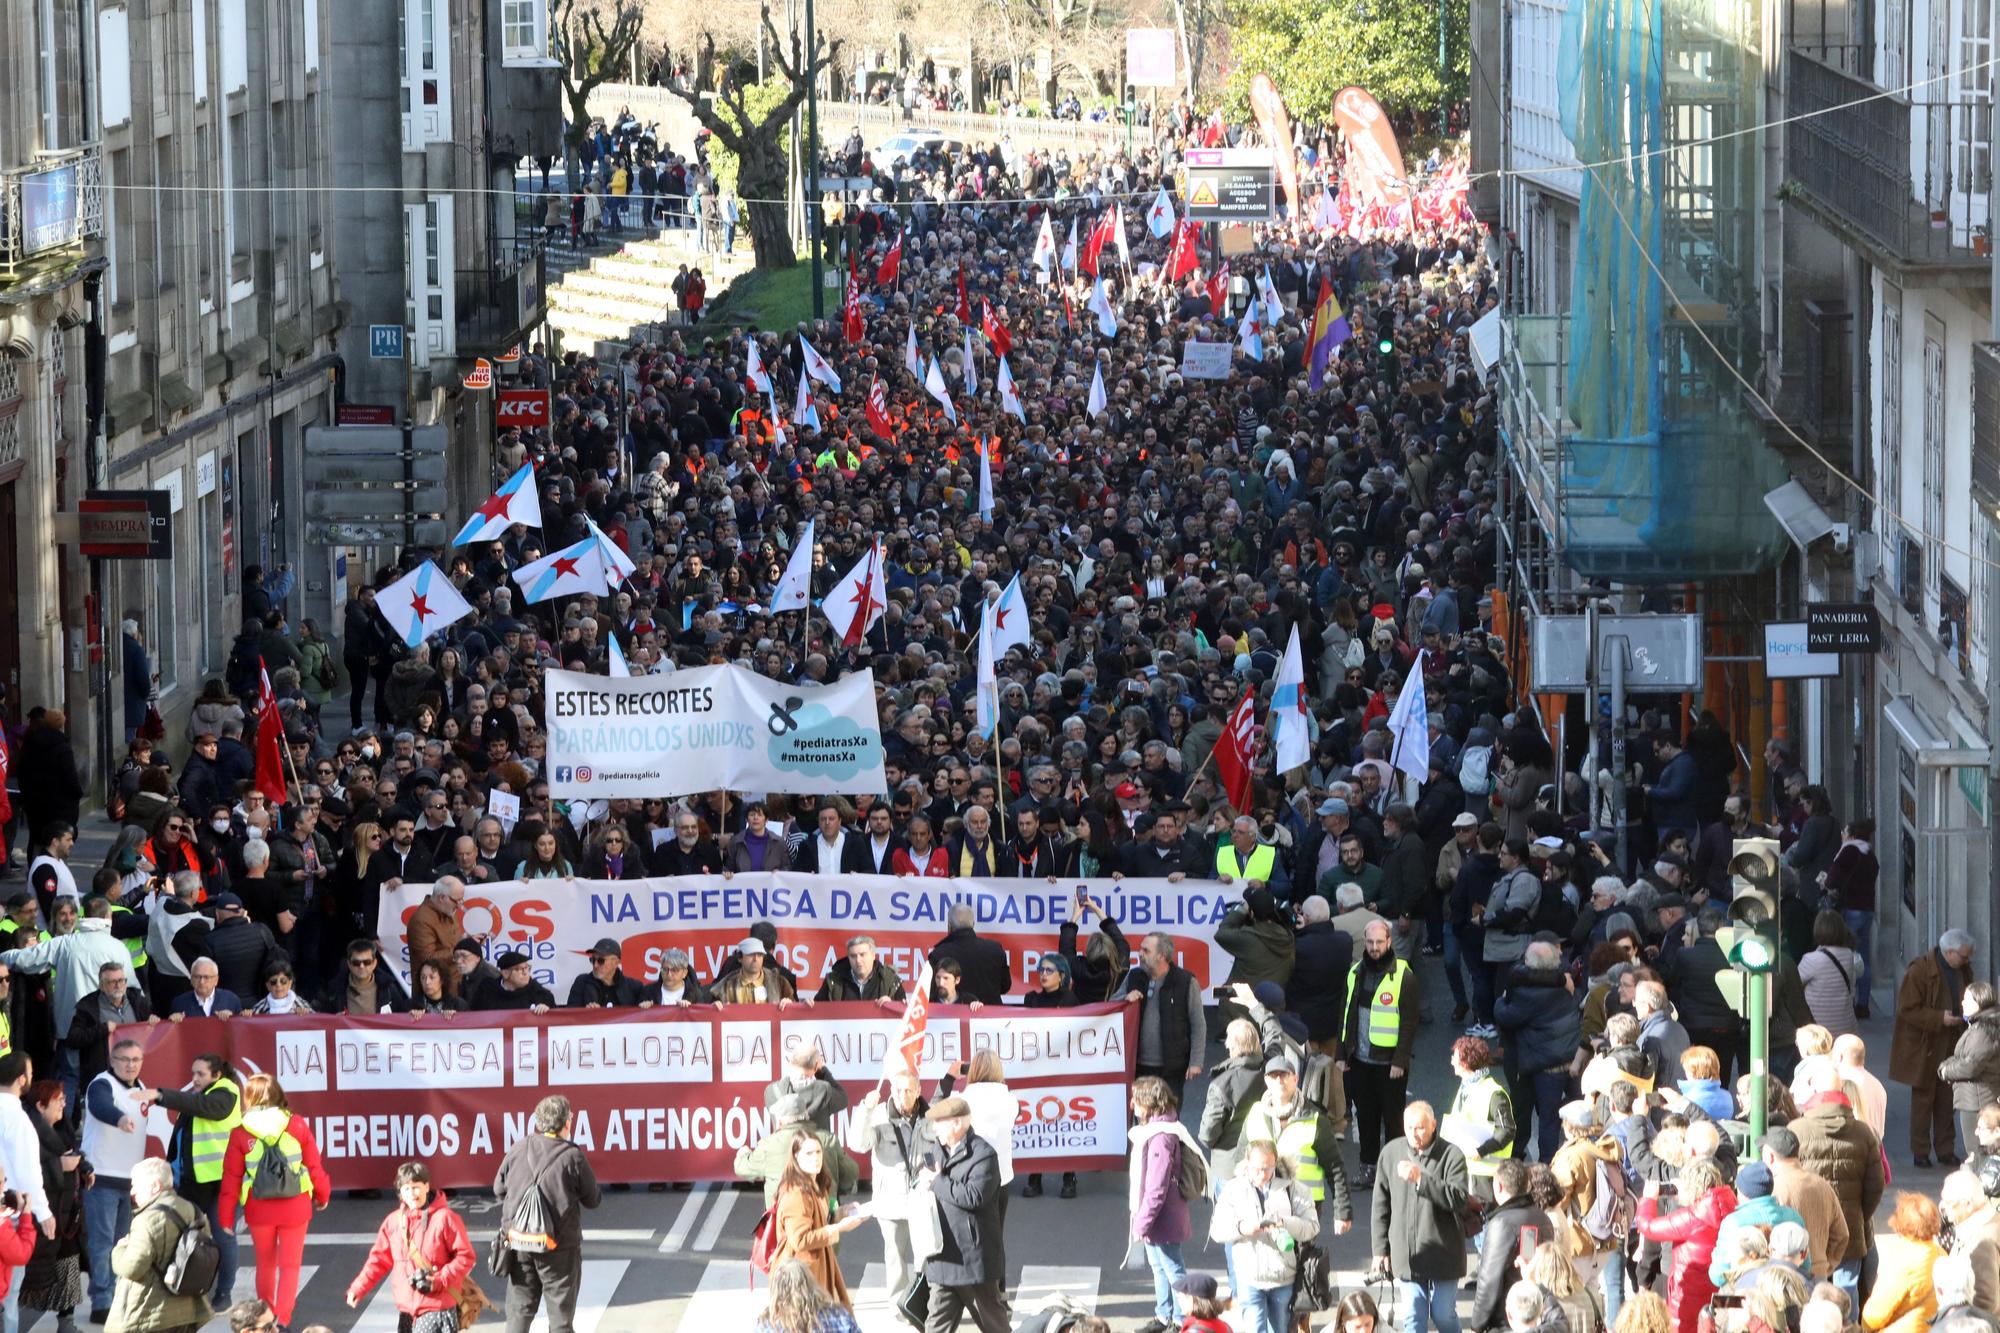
1204,192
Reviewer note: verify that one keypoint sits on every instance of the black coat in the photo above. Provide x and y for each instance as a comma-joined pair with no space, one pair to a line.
87,1036
51,787
389,992
1698,1001
1323,955
988,976
1538,1016
1499,1248
564,1176
968,1192
1092,982
242,949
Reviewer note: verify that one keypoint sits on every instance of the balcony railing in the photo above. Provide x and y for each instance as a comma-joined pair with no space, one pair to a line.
1905,180
1986,422
499,303
49,205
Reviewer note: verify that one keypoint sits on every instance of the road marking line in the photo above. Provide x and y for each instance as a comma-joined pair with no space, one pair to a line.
718,1218
1039,1282
246,1285
684,1221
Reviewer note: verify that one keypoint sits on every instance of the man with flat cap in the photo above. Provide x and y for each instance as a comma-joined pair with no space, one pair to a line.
517,987
968,1275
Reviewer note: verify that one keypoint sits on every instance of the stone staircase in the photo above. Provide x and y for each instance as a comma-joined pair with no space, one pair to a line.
622,288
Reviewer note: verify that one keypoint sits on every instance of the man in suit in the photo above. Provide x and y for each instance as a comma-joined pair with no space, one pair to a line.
207,999
832,850
982,963
879,848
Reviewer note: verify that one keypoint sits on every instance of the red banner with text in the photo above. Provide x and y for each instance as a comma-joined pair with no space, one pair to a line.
660,1094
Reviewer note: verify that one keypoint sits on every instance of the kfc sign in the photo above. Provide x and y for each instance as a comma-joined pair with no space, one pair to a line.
526,408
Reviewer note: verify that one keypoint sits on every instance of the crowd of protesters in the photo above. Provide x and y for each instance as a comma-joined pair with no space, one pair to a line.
1597,1146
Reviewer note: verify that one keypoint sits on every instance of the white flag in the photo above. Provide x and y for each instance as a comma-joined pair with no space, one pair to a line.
1100,305
1010,619
1160,217
818,367
856,602
795,588
971,369
988,686
618,566
1045,245
935,386
1010,397
1069,248
1289,725
618,666
1410,724
803,412
911,361
1274,306
754,367
1098,402
985,481
574,569
1124,249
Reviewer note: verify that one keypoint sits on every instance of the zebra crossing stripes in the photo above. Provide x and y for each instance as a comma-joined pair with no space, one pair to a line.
682,1234
595,1291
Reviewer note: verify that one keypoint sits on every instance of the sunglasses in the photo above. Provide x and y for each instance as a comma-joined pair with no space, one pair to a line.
175,827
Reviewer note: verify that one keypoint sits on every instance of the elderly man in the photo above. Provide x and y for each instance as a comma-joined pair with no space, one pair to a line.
1246,861
114,1004
516,987
1173,1030
605,985
1305,1136
159,1219
755,981
807,1077
898,1140
1975,1234
206,999
1811,1197
1415,1235
1839,1148
437,925
986,973
973,851
1928,1023
861,975
968,1275
465,862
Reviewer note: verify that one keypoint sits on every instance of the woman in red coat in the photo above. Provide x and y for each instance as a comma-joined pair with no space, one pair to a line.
277,1199
423,1248
1691,1230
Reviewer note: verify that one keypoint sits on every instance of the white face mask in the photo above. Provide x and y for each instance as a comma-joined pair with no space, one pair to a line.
367,752
255,834
219,825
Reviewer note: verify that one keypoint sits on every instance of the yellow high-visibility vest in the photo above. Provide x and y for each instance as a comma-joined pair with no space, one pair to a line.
1469,1124
1385,1006
1262,862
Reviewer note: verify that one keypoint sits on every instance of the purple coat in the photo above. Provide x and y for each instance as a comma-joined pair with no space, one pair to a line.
1159,1213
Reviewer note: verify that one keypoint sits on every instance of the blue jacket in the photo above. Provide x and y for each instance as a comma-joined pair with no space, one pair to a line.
1540,1020
1765,1212
1710,1096
1674,795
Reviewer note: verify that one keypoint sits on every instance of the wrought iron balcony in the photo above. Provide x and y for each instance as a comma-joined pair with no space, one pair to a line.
499,303
1904,182
1986,423
52,204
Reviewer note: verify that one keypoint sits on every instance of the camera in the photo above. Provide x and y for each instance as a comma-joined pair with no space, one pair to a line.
421,1282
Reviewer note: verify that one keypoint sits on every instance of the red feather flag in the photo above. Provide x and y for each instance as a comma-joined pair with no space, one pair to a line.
1234,750
964,311
878,410
270,774
1218,290
850,315
1185,252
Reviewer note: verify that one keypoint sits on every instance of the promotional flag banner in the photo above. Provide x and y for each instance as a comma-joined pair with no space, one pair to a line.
878,410
1234,750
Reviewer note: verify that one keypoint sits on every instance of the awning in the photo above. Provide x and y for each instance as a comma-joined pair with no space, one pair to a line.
1798,514
1931,748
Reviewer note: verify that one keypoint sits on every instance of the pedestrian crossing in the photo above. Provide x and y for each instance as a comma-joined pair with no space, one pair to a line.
725,1298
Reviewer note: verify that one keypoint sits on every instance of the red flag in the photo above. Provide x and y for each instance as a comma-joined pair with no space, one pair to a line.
906,1052
6,762
996,332
892,263
1185,252
1100,236
270,775
878,410
964,311
850,315
1233,751
1218,290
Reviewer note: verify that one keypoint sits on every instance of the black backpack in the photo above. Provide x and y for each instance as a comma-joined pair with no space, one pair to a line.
276,1176
1553,912
246,660
1312,1284
532,1228
191,1269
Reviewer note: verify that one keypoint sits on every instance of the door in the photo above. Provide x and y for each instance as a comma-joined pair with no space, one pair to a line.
1972,121
1935,96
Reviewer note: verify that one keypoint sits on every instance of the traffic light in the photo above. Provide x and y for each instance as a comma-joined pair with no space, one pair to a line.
1753,906
1388,362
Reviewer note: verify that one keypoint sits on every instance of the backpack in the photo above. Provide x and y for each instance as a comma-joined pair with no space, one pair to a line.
1552,912
1475,774
191,1268
764,1241
533,1225
276,1176
1190,1170
1609,1217
246,659
1312,1282
324,672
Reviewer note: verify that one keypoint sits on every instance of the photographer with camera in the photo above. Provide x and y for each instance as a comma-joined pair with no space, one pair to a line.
422,1248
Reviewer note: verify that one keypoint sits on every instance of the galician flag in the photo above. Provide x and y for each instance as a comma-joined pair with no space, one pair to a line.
935,386
1045,245
1010,396
1410,724
1289,726
985,481
1160,217
618,666
618,566
515,502
795,588
1098,401
818,367
911,361
1100,305
574,569
857,601
421,603
988,685
753,368
1010,619
971,368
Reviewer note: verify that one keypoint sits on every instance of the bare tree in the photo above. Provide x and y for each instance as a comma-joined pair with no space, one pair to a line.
756,137
595,50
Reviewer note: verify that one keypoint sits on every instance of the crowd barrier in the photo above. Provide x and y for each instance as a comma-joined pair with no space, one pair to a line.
659,1094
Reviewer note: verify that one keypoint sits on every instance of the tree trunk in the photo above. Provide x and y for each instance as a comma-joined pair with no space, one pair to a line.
770,238
761,176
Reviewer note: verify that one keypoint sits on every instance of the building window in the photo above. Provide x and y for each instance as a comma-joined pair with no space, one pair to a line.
1934,428
524,30
242,219
1892,416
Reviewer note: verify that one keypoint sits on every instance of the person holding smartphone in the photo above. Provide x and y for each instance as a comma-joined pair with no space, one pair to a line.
1514,1228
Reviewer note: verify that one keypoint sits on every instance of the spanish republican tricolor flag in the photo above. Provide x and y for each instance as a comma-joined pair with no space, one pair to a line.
1329,331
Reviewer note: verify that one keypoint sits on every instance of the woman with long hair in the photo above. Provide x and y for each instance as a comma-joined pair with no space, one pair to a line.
1553,1272
431,997
276,1198
808,1225
54,1278
544,859
799,1306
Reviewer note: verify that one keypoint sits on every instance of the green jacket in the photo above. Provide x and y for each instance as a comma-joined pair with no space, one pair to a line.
766,1162
142,1301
